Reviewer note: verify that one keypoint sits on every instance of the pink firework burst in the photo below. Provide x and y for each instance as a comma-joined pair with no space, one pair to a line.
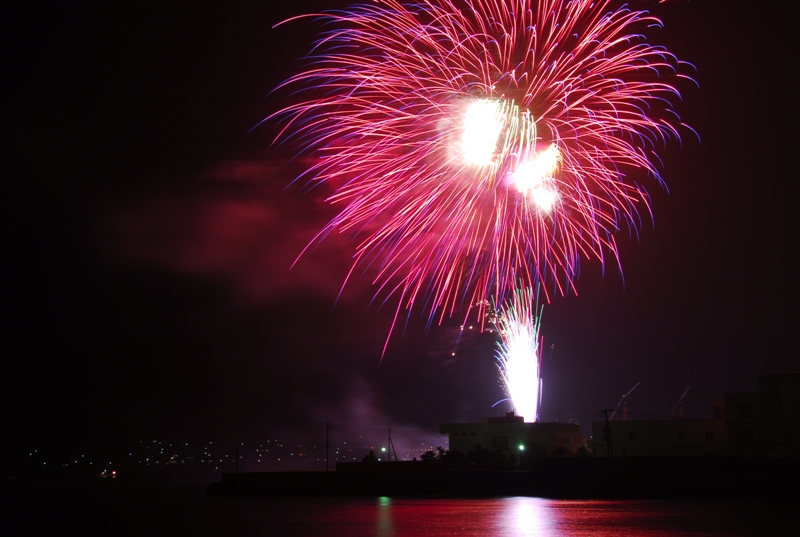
477,145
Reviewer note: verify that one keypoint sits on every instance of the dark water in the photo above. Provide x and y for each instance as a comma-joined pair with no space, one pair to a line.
185,510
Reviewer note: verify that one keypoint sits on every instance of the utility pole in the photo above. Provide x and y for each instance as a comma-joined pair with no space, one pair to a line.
327,444
607,434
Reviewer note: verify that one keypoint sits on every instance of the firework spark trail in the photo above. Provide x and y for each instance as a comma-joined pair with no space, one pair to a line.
518,352
479,143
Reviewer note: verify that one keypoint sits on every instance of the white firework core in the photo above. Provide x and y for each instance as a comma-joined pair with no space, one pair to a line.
483,125
534,177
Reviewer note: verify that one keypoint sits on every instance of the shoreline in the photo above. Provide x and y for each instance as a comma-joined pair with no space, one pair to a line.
630,478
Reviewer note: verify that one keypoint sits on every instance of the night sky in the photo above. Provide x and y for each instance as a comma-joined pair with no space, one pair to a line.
148,235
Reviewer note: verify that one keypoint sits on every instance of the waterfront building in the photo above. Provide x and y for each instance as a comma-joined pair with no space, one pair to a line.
758,424
510,434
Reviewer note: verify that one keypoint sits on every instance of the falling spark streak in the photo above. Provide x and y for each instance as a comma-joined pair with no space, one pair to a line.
475,144
518,352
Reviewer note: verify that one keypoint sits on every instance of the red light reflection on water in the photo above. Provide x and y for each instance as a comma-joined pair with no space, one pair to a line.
521,517
525,516
498,517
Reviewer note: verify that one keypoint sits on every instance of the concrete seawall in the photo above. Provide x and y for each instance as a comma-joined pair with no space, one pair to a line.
664,478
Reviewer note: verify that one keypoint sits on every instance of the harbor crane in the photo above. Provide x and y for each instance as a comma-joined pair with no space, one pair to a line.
625,408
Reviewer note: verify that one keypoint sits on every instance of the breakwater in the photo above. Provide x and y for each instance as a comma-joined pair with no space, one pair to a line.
652,478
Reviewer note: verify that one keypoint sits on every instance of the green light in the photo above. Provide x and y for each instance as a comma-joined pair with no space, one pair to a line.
383,449
522,447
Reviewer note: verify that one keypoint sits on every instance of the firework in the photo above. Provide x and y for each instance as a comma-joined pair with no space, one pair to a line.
475,144
518,352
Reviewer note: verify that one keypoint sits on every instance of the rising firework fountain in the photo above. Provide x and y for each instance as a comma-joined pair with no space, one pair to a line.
518,357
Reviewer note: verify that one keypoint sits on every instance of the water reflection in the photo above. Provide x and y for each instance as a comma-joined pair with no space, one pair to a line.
383,525
188,511
524,516
516,516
